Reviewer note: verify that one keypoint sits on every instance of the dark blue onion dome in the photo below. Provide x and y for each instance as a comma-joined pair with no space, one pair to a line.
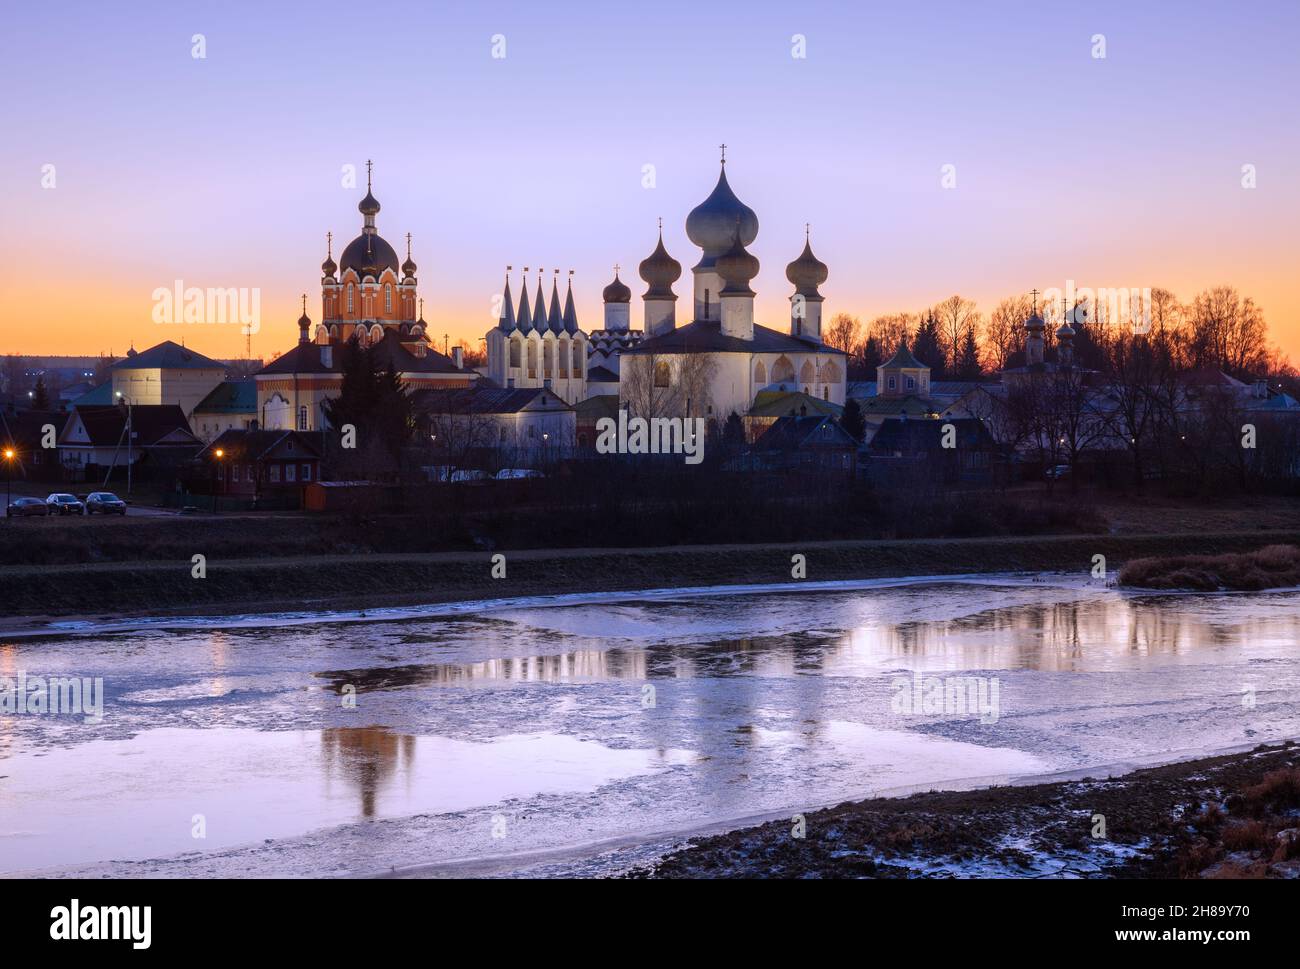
712,224
369,254
368,205
328,267
408,267
807,272
660,271
616,292
737,267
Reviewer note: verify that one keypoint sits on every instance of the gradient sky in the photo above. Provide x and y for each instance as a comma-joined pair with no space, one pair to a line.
226,171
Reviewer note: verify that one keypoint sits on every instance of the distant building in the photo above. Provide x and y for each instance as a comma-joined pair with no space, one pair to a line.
539,347
494,426
95,438
253,463
166,374
232,405
948,451
813,442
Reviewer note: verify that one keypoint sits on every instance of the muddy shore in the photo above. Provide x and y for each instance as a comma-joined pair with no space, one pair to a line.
33,594
1231,816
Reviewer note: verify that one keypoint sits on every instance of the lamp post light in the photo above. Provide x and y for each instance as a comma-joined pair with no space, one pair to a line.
9,466
130,432
216,494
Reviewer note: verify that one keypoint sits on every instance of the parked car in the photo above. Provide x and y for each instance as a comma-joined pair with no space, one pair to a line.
25,507
104,503
464,475
507,474
1057,472
61,504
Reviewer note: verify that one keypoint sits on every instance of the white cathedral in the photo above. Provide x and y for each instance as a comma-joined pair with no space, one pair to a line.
709,367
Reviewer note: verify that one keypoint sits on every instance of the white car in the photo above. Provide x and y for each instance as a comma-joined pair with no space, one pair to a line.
510,474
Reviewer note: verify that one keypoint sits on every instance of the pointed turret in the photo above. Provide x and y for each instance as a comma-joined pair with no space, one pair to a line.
507,321
570,313
539,308
555,318
525,313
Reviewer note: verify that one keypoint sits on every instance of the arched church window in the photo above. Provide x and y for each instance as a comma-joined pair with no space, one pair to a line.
831,373
806,372
388,297
760,374
548,354
662,374
532,359
577,359
350,289
376,333
782,370
515,353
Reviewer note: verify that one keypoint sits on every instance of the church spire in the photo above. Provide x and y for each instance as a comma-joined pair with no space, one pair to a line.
554,319
570,314
539,308
507,321
525,314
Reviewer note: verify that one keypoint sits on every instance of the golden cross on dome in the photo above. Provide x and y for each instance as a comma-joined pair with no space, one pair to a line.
724,153
369,166
329,244
661,224
807,231
617,267
408,245
1034,294
304,304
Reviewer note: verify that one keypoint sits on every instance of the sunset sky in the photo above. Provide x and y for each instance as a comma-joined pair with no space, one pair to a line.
226,171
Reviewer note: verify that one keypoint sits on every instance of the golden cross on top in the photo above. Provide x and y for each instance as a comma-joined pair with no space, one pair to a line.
408,245
369,166
724,153
617,267
807,231
1034,294
329,244
304,304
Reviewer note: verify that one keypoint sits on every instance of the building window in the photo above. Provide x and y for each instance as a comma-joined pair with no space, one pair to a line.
350,287
891,383
514,353
911,382
662,374
388,298
275,473
306,472
302,418
291,472
234,472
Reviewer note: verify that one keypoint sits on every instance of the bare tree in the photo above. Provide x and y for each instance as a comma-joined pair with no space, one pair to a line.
1005,333
667,385
956,315
845,333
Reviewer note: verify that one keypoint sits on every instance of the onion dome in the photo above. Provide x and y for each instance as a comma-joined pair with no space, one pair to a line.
369,255
660,271
712,224
328,267
368,205
617,291
807,272
1065,331
304,322
408,267
737,267
1035,322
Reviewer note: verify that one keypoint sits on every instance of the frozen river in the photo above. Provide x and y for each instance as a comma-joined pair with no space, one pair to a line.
578,736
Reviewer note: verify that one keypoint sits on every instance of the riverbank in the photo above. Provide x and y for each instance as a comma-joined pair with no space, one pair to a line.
1231,816
108,591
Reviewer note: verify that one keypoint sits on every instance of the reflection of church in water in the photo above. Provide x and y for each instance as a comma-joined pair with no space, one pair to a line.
367,758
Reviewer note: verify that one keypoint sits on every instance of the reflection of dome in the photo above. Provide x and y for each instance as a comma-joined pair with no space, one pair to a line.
712,224
617,292
660,271
368,255
736,267
807,272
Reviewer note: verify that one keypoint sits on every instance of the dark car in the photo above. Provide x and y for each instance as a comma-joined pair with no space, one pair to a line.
23,507
62,504
104,503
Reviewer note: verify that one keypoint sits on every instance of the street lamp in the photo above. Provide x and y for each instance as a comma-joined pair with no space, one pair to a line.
218,454
122,398
9,465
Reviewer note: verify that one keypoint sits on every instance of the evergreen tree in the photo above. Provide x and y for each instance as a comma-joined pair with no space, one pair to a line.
40,396
376,403
926,346
733,433
873,355
852,420
968,360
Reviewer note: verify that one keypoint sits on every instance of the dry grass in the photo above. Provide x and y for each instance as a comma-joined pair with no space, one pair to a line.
1271,567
